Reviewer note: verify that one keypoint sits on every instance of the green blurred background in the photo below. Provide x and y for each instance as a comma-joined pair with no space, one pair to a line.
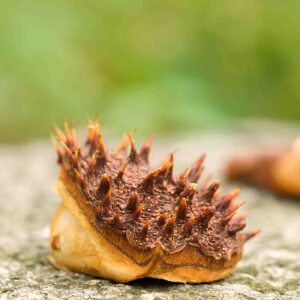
159,66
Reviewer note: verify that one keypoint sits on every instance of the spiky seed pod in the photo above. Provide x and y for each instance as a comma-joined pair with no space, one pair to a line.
132,221
182,210
163,218
189,225
133,202
138,211
116,219
145,150
145,228
171,223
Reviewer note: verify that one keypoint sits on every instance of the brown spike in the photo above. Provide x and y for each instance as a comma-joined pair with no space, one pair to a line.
73,133
67,131
196,169
105,190
138,211
117,219
59,134
57,149
226,219
92,163
167,168
122,147
248,235
241,216
145,150
182,210
133,201
235,227
163,218
208,194
95,140
75,158
190,191
170,170
145,229
100,145
234,207
225,201
185,175
149,179
122,169
67,150
91,133
155,174
238,223
205,215
171,222
189,225
78,177
133,152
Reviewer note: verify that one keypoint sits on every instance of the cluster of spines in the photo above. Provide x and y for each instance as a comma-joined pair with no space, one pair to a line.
186,184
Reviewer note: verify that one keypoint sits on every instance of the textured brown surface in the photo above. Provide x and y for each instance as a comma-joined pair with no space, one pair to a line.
152,207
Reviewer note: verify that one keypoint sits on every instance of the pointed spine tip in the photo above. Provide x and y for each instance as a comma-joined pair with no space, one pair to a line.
197,169
224,202
95,141
182,209
133,151
105,190
214,185
158,174
234,207
189,225
69,135
148,181
133,202
167,168
145,229
138,211
122,170
73,133
205,216
58,151
92,163
190,190
123,145
236,227
59,134
78,177
67,150
75,158
117,219
163,218
238,223
145,150
249,235
171,223
185,176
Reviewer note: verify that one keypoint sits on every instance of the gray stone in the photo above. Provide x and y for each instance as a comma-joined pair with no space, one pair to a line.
270,268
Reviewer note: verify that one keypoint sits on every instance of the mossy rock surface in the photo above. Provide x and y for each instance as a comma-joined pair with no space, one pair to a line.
270,268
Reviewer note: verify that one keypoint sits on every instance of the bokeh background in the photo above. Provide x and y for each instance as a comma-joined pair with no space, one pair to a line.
159,66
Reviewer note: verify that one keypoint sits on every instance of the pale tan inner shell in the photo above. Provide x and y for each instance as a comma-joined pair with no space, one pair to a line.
77,245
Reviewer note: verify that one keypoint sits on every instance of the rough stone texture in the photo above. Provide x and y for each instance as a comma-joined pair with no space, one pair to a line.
270,268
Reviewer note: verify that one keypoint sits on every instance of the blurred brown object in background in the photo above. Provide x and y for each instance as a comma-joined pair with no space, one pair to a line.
277,170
